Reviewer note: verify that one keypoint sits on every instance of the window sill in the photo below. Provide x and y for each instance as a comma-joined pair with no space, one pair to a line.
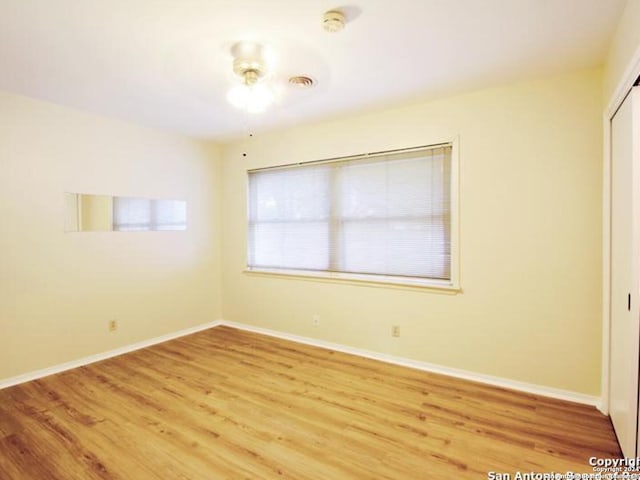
380,281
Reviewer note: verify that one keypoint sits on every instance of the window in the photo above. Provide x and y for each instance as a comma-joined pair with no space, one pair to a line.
140,214
381,217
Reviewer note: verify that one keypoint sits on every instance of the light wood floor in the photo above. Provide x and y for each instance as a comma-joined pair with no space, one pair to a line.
227,404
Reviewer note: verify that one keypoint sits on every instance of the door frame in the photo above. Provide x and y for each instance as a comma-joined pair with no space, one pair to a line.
625,84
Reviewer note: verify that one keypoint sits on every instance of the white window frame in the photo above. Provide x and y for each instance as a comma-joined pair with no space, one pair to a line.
444,286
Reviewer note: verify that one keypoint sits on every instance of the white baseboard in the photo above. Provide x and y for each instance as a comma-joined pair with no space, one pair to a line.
45,372
405,362
429,367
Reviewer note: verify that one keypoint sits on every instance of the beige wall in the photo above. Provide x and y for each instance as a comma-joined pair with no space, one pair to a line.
59,290
530,236
624,44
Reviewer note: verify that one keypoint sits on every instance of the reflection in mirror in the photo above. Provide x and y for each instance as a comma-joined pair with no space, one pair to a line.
104,213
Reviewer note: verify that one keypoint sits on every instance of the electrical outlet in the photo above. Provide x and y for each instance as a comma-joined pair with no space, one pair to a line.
395,331
316,320
113,325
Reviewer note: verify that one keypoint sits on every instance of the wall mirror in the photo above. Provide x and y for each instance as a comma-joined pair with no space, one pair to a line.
106,213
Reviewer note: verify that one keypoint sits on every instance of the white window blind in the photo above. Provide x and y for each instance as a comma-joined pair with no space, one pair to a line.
169,214
131,214
139,214
387,215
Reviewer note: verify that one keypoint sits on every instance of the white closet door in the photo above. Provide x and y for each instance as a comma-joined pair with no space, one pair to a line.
625,267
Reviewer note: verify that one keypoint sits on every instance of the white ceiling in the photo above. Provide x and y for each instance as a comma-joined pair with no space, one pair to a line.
166,63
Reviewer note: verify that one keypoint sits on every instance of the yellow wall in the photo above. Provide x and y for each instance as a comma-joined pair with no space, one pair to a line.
59,290
530,236
624,44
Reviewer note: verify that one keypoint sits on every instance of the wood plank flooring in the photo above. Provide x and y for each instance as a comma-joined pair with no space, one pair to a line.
228,404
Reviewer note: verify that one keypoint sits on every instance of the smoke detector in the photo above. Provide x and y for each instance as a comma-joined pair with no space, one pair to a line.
333,21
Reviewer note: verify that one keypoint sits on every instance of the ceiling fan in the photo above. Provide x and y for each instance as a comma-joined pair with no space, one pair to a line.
256,91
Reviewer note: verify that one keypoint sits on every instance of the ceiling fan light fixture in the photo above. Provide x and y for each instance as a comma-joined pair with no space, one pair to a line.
251,95
249,70
252,98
